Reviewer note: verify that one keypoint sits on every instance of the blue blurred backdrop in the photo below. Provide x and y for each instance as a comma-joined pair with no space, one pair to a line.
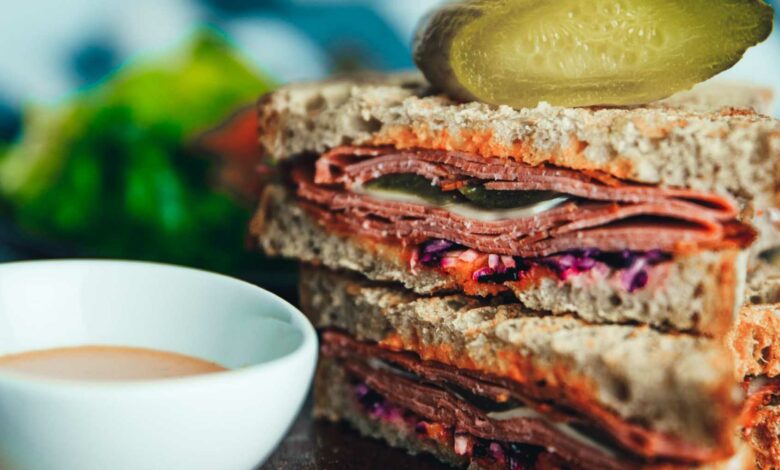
49,47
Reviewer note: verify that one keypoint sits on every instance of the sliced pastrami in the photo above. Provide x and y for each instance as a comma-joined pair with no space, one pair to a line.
669,226
353,166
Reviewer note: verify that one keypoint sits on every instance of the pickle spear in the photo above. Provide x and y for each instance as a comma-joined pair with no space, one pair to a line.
584,53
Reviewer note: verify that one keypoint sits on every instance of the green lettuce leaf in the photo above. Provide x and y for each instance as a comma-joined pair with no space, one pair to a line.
114,172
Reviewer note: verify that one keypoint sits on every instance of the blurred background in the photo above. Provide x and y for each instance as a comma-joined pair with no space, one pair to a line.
108,112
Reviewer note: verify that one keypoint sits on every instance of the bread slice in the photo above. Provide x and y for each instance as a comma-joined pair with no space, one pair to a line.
727,151
755,341
764,435
755,336
698,292
334,401
678,385
716,94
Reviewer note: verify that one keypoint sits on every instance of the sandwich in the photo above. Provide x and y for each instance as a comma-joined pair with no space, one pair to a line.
641,215
388,353
755,345
507,273
490,384
525,288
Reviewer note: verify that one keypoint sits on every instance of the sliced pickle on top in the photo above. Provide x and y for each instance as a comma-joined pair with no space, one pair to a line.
584,53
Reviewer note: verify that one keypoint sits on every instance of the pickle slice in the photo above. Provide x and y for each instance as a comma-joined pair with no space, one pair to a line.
577,53
489,199
414,185
475,194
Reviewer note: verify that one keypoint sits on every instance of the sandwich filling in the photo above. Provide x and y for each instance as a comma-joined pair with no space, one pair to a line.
468,410
497,220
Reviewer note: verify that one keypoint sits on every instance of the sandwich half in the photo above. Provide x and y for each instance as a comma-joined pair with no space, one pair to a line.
489,384
640,215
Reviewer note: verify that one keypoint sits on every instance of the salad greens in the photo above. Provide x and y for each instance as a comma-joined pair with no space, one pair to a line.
115,171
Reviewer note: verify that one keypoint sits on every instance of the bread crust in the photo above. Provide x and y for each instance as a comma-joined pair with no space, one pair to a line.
672,143
764,437
755,341
755,336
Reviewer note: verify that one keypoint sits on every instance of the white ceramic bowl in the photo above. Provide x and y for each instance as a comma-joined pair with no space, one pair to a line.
229,420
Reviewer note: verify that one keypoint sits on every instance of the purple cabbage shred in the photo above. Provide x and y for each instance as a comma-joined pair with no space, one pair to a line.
514,455
502,268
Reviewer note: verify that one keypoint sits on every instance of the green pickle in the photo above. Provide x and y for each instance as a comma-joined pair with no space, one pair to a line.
578,53
487,199
474,194
415,185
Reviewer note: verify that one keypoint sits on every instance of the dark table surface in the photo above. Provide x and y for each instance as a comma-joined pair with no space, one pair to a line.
320,445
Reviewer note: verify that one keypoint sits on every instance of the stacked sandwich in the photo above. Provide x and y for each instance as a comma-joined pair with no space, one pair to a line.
512,288
537,286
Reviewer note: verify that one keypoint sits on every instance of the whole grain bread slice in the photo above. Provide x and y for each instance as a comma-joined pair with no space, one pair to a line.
697,292
334,401
755,341
755,336
681,142
716,94
764,435
679,385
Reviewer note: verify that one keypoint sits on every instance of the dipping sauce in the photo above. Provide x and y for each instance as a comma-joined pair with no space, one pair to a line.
106,363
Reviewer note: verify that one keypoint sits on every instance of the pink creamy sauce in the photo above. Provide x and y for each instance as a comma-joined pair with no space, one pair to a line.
106,363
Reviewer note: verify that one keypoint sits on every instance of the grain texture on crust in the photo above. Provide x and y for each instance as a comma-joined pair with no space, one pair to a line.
699,292
764,437
676,384
334,401
755,341
727,151
716,94
755,336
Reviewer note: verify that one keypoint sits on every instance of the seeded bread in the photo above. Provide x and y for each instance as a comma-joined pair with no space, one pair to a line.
755,341
676,384
727,151
334,402
755,337
716,94
696,292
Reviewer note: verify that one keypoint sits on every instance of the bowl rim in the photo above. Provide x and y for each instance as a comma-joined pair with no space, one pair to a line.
305,352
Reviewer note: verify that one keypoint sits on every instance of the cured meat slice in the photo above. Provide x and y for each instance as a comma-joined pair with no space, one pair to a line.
604,213
669,226
353,167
